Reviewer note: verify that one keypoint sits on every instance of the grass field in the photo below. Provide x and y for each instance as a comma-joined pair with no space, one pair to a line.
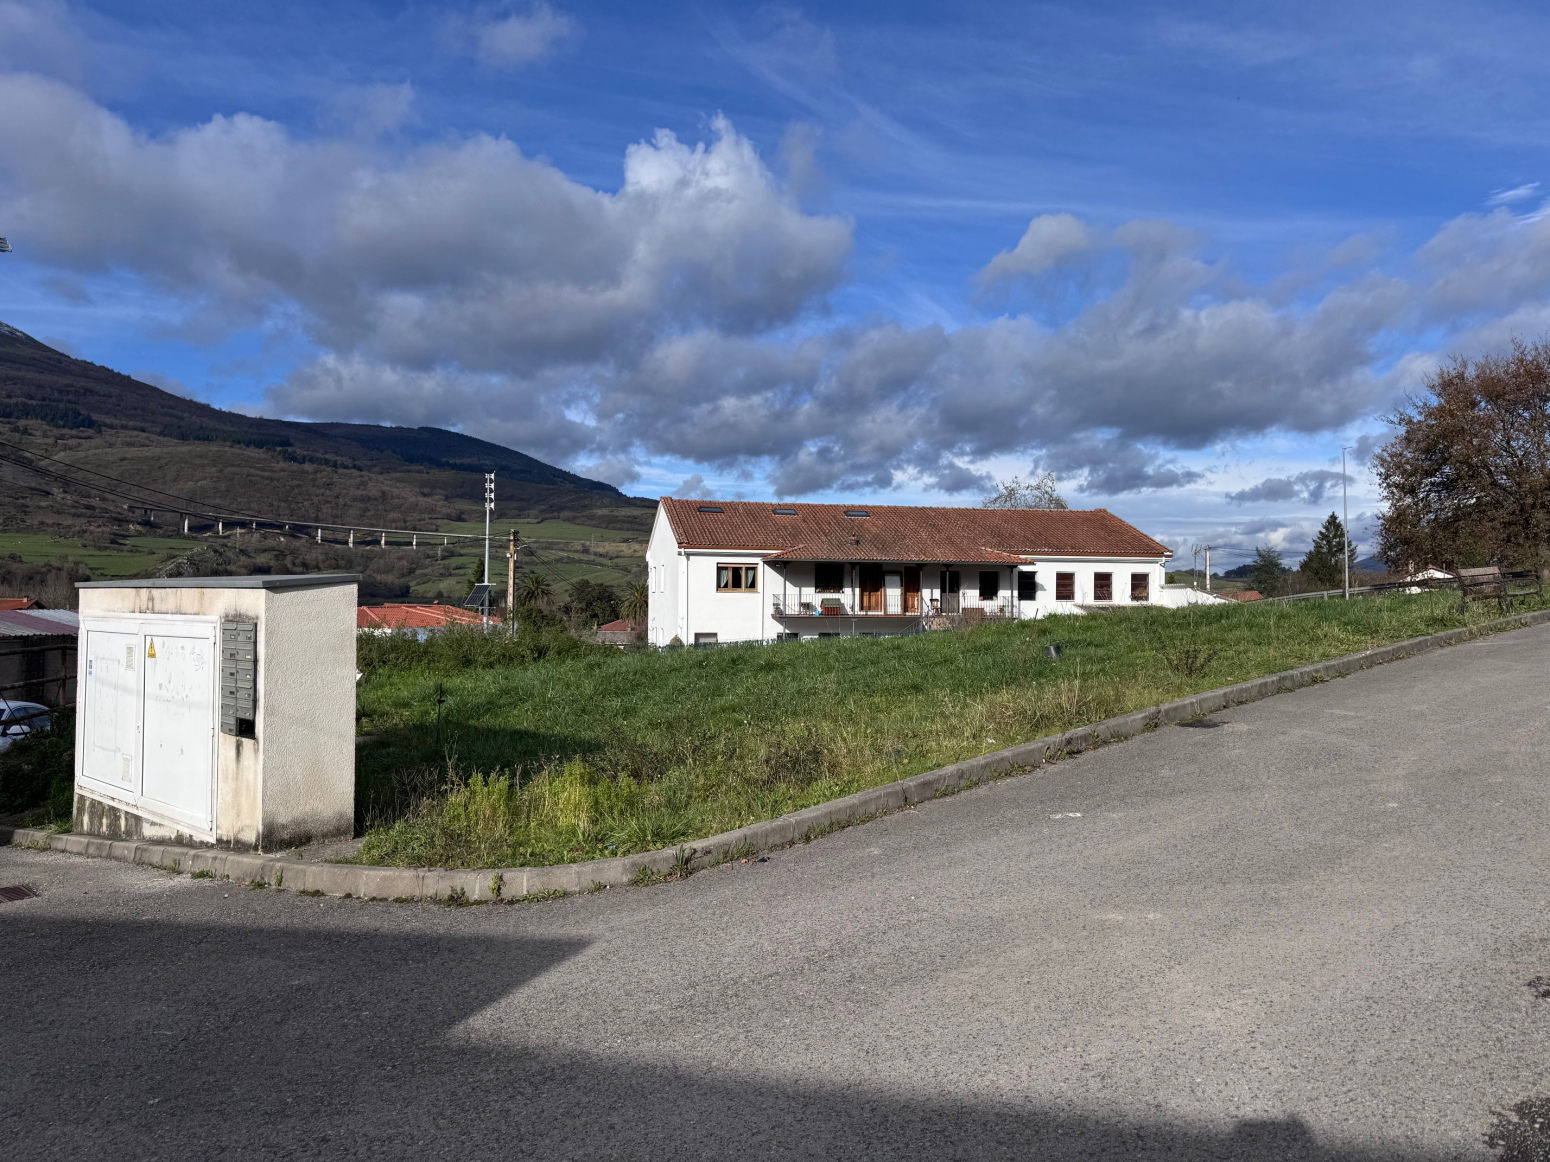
605,752
137,556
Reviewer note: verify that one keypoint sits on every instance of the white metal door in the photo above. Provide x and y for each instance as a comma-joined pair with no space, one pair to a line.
112,711
180,725
893,593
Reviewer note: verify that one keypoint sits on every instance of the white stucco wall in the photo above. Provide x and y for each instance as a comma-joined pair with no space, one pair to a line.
732,617
664,572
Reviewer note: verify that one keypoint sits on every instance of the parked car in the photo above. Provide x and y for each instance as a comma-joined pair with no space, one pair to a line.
19,718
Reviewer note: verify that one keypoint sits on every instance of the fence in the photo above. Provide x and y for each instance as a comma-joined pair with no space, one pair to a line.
1372,590
28,676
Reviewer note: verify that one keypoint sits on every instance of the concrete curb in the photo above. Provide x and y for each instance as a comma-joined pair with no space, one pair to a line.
508,884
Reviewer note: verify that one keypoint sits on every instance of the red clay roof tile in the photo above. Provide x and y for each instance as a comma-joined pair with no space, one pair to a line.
413,616
823,532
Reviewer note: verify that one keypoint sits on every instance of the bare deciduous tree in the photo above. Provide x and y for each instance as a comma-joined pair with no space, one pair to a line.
1039,492
1466,476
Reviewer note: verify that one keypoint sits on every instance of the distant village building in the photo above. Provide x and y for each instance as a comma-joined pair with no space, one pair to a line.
618,633
724,571
420,620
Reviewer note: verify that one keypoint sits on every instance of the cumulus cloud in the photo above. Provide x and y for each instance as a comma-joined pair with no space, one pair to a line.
1305,488
1366,444
40,36
1111,466
464,283
1049,240
465,252
692,488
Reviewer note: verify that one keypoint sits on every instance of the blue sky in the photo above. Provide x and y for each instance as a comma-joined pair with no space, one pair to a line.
1177,254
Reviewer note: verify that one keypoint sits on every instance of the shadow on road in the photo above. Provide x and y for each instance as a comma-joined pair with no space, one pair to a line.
152,1040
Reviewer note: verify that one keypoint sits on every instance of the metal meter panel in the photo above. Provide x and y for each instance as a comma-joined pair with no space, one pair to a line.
111,711
179,766
239,678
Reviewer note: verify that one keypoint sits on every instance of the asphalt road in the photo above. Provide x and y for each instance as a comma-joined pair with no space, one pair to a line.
1304,930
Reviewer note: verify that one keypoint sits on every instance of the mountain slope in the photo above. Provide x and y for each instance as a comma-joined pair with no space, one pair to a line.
91,417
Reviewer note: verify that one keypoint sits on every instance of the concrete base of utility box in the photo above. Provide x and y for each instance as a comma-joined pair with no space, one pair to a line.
217,710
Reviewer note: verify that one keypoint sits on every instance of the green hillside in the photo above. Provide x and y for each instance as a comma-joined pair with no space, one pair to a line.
99,472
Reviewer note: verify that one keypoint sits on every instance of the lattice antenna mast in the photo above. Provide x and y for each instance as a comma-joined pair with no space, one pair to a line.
489,509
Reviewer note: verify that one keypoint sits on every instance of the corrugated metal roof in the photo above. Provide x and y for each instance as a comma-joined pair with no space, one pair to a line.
38,622
837,532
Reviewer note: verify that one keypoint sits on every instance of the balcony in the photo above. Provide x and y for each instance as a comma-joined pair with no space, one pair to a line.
973,605
793,602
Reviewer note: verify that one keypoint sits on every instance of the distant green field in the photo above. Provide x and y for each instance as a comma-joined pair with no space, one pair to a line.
138,554
562,559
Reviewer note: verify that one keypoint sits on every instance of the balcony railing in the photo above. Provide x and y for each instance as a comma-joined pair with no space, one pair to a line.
794,602
973,604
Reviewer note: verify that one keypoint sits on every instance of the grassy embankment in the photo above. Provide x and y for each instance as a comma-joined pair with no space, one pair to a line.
593,752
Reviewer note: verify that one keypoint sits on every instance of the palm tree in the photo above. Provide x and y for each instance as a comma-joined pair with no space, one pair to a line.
534,590
637,603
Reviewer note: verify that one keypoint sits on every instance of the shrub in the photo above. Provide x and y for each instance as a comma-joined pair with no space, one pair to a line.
540,635
37,772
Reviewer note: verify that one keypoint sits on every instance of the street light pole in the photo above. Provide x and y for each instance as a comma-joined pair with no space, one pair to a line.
1345,530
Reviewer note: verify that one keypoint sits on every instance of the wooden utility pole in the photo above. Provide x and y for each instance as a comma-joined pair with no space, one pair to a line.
511,581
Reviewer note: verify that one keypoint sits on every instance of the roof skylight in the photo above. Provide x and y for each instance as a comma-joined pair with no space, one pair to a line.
857,512
710,508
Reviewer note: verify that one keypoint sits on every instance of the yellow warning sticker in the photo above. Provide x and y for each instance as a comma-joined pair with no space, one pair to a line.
151,652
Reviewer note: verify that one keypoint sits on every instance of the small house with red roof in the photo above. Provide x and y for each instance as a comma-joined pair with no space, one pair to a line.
721,571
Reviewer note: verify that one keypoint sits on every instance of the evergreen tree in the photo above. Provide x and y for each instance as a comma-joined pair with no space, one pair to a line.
1322,564
1267,571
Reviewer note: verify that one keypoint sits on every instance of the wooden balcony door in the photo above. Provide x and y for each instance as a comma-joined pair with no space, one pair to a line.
871,588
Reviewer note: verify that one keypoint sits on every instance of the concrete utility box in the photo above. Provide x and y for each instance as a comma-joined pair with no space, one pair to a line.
217,710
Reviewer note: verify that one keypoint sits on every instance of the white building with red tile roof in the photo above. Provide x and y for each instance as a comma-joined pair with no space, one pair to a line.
722,571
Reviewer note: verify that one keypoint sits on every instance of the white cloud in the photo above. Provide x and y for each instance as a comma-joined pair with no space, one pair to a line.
1309,487
1516,194
40,36
1049,240
522,38
692,488
465,284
